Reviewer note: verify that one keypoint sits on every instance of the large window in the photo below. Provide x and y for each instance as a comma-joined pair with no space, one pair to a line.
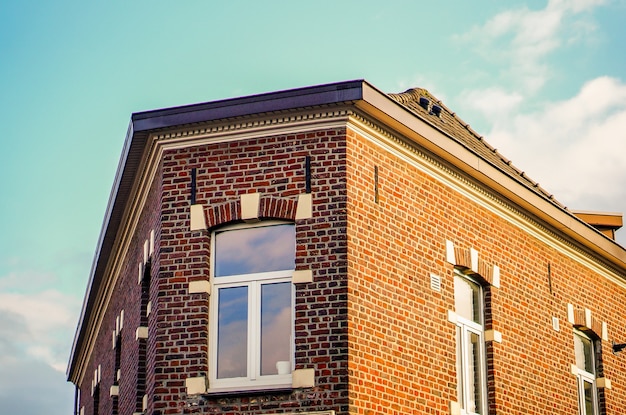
586,374
252,306
468,298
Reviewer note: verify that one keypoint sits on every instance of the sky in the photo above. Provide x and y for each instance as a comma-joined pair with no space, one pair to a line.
543,81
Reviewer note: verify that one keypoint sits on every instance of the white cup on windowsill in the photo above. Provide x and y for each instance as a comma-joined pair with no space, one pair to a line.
283,367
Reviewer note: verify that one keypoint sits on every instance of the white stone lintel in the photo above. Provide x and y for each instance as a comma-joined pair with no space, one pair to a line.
305,206
197,219
250,203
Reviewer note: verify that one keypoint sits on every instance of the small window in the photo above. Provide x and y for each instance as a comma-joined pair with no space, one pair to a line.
586,375
471,376
252,306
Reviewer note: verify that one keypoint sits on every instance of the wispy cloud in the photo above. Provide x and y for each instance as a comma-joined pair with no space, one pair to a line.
573,147
40,324
521,39
35,334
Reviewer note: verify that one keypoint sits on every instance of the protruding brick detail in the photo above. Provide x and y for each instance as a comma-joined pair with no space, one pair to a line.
270,207
278,208
463,257
224,212
581,321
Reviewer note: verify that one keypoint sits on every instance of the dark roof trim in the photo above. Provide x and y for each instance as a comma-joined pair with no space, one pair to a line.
254,104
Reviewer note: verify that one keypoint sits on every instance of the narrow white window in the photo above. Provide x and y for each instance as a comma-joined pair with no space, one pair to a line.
468,298
252,306
586,374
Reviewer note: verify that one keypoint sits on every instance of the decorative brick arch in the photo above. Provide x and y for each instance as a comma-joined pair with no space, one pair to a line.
488,272
270,207
277,208
583,320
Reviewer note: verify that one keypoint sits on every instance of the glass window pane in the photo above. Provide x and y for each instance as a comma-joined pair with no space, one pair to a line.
253,250
589,397
232,332
459,366
275,328
467,299
583,348
474,367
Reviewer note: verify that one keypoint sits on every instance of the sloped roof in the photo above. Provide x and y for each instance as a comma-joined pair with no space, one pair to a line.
460,131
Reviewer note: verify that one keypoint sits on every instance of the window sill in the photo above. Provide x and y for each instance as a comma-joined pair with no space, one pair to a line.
248,390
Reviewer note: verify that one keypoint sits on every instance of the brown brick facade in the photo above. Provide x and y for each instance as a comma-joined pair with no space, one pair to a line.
402,346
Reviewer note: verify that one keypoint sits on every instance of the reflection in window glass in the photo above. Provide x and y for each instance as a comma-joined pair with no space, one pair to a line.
254,250
251,322
467,299
232,332
586,363
275,326
475,384
588,386
584,354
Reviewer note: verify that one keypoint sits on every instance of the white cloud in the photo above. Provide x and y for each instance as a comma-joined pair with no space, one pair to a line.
39,326
36,331
575,147
521,39
31,387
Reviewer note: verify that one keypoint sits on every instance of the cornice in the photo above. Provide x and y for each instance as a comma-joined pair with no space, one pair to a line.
240,129
480,194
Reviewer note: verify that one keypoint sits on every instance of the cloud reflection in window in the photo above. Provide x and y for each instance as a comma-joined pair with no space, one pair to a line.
254,250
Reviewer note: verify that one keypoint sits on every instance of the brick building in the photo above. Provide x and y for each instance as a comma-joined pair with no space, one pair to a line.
339,250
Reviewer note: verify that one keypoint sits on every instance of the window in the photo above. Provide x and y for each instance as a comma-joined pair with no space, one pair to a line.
252,306
468,298
586,374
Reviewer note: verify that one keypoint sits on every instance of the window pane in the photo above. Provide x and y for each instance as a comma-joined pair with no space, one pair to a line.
474,367
275,328
460,359
589,404
253,250
583,348
232,332
467,299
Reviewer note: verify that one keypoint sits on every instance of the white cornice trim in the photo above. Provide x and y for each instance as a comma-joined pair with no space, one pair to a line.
429,165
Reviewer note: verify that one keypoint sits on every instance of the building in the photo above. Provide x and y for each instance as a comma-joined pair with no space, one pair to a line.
339,250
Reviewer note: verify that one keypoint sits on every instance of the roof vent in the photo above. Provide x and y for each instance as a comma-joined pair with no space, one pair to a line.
424,102
436,110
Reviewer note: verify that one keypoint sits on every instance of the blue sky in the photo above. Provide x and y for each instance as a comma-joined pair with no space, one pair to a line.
545,82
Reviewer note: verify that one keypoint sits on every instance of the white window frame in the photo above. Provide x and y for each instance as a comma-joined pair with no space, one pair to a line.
254,380
465,328
583,376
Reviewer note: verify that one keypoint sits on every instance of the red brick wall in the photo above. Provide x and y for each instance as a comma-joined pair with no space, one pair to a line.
274,167
126,296
401,344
